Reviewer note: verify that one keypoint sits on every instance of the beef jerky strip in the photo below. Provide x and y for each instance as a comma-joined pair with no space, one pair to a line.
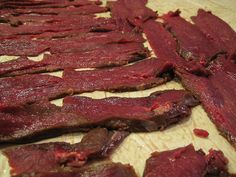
106,56
82,10
84,42
56,156
84,22
157,111
47,4
192,43
136,13
142,75
30,88
165,47
209,24
96,169
216,93
40,19
185,161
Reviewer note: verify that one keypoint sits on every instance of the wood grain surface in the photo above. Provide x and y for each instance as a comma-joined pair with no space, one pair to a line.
138,146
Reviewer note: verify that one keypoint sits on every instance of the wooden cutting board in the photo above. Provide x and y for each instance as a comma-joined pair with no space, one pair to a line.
138,146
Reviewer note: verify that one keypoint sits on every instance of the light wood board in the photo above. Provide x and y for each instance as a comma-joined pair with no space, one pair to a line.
137,147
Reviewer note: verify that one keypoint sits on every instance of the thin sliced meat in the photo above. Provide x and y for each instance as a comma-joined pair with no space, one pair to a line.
109,55
50,157
192,43
84,22
216,97
136,13
141,75
30,88
155,112
82,10
96,169
47,4
84,42
185,161
209,24
166,48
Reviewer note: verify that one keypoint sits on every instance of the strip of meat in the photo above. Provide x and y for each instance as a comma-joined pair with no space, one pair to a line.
216,93
142,75
192,43
82,10
30,88
185,161
97,169
136,13
83,22
108,55
56,156
225,38
155,112
47,4
165,47
84,42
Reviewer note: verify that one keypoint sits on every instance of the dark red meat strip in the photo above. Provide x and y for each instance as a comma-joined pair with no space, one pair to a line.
225,38
108,55
83,22
97,169
185,161
84,42
155,112
136,13
82,10
142,75
47,4
49,157
216,93
192,43
30,88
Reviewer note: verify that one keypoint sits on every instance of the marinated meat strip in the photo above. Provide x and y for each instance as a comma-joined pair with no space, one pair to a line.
81,10
142,75
96,169
83,22
155,112
84,42
216,92
57,156
106,56
185,161
136,13
30,88
192,43
209,24
46,4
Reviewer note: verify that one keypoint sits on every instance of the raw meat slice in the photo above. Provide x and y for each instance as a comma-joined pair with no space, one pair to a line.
216,92
82,10
83,22
192,43
84,42
185,161
56,156
165,47
108,55
136,13
225,38
96,169
141,75
31,88
155,112
47,4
